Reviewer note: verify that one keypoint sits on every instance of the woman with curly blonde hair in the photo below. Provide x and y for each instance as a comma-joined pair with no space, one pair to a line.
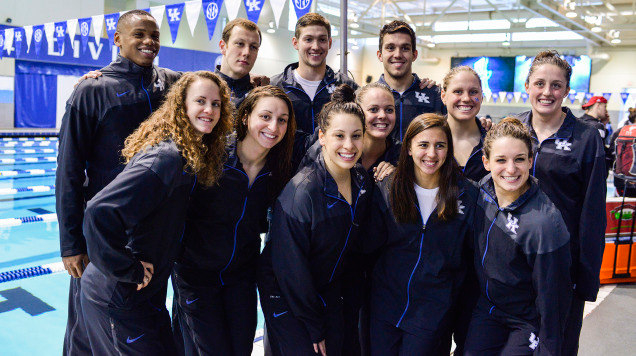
134,226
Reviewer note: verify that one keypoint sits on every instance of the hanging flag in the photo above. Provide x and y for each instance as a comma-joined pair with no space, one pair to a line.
291,20
175,13
502,95
277,9
253,9
98,26
588,96
517,96
60,32
192,10
211,10
607,96
111,27
232,7
302,7
38,36
157,13
487,95
71,27
524,97
580,96
85,29
17,40
509,97
49,32
495,97
572,97
1,44
8,40
624,97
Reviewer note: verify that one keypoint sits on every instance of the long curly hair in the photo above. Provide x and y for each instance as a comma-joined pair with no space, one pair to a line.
205,154
280,156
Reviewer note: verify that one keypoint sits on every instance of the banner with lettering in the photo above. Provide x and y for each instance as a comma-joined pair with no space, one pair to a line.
60,33
85,29
175,13
211,10
303,6
111,27
38,36
253,9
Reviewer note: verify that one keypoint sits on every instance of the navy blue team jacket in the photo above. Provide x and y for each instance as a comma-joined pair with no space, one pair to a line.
474,168
305,109
100,114
224,223
313,229
139,216
570,168
239,87
413,102
419,274
522,258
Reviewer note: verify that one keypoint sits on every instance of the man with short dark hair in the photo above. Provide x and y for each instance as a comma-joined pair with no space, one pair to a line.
595,113
99,115
310,81
397,52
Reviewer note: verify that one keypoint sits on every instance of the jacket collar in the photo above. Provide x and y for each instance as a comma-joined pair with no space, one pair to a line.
564,132
330,185
414,85
488,186
241,83
289,79
126,66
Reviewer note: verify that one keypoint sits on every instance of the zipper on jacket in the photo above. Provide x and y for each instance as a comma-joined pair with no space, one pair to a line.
311,102
249,187
353,211
483,258
146,91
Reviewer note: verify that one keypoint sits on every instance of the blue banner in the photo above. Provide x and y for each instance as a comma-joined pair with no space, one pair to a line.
111,27
607,96
302,7
85,29
38,38
572,97
253,9
624,97
175,13
1,43
211,10
588,96
495,97
524,97
509,97
60,33
18,37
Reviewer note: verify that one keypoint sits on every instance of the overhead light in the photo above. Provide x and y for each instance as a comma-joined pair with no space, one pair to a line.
419,24
430,45
597,29
610,6
505,44
271,27
271,30
616,41
354,25
571,14
355,47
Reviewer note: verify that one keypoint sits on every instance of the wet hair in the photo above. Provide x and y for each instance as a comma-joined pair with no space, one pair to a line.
127,16
205,154
402,194
361,92
239,22
279,156
550,57
456,70
508,127
342,102
397,26
312,19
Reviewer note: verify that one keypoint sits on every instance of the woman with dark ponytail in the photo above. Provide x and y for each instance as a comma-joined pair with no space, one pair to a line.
570,166
315,221
422,220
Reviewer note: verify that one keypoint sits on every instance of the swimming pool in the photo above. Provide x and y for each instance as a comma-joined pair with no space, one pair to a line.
33,310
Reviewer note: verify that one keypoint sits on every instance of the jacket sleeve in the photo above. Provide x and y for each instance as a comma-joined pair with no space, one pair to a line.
553,286
291,239
374,234
76,134
112,217
593,221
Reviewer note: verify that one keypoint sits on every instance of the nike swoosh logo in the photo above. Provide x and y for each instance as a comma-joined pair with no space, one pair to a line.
188,301
279,314
120,94
329,206
130,341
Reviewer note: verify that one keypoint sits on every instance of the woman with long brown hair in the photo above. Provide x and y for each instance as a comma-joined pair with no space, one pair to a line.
215,276
423,223
133,226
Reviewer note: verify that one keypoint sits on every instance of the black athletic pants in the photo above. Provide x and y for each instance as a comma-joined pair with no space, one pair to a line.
489,335
75,338
573,327
388,340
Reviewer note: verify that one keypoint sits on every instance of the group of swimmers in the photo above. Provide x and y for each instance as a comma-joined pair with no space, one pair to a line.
395,221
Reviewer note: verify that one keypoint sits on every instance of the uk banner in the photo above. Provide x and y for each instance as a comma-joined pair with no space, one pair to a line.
495,98
253,9
60,33
524,97
572,97
18,37
607,96
175,13
111,27
38,36
587,97
211,10
624,97
509,97
1,43
302,7
85,29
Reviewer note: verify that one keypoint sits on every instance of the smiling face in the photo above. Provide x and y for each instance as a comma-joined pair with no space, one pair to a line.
267,123
342,142
240,52
510,165
429,150
203,105
397,55
138,40
379,112
463,96
546,88
312,45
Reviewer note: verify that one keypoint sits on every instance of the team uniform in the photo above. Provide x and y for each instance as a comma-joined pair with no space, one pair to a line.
139,216
413,102
474,168
419,274
307,109
239,87
592,121
99,115
299,277
522,257
570,168
215,276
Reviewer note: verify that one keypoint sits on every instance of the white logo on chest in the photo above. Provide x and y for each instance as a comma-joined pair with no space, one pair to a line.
159,84
460,207
563,145
422,97
534,341
331,88
513,223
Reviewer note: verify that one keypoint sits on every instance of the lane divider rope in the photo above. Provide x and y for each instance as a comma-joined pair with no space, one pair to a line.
31,172
34,189
9,222
51,138
28,143
27,151
28,160
28,272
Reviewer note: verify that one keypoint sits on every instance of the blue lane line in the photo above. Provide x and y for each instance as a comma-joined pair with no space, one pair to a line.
29,259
